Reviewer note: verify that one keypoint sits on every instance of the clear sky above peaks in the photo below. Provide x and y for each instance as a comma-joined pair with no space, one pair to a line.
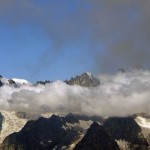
52,39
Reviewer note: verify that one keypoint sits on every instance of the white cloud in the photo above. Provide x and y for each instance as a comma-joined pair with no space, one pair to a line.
118,95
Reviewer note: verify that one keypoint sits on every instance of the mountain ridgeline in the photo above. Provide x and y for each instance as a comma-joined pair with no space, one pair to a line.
97,138
71,131
86,80
13,82
63,133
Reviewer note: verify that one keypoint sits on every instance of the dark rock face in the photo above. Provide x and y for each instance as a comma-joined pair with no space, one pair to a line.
85,80
125,128
11,82
56,133
123,69
42,134
1,84
148,138
43,82
70,118
1,121
97,138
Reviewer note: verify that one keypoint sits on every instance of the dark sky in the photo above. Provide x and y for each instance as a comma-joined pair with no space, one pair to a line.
52,39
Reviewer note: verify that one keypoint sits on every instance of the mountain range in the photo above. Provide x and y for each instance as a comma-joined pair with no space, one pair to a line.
46,131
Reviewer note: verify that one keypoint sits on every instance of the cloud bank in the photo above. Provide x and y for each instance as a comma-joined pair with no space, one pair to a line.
120,94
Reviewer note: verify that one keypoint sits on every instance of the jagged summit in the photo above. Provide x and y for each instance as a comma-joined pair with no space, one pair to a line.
43,82
126,129
42,134
96,138
86,79
89,74
65,132
130,69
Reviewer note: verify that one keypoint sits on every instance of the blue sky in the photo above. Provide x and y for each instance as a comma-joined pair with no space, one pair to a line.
52,39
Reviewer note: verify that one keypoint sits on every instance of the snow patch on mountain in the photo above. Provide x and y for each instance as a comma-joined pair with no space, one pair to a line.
143,122
85,124
72,146
11,124
90,75
123,145
5,81
21,81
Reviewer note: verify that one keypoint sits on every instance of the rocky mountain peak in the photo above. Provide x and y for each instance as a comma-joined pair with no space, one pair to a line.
70,118
96,138
126,129
42,134
88,74
86,79
1,84
43,82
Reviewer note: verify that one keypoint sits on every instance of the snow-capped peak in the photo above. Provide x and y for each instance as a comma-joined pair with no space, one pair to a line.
20,81
89,74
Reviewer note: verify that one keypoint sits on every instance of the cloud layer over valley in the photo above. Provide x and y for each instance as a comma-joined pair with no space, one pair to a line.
119,94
